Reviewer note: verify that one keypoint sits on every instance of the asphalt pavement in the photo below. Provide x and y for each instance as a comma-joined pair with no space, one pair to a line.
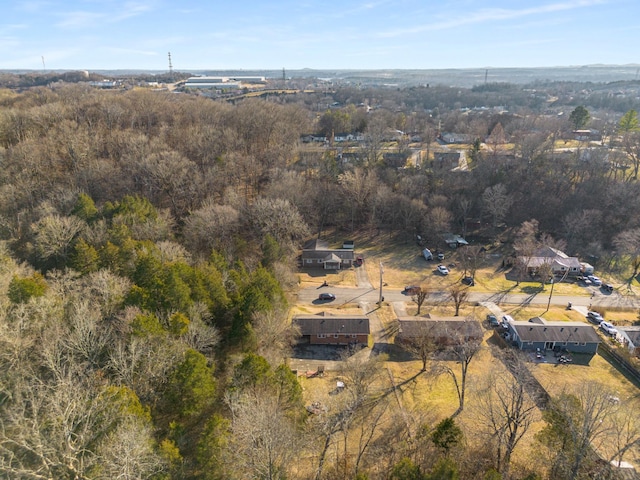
371,295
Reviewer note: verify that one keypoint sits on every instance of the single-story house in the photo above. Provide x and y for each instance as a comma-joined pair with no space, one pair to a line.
454,241
630,337
450,137
312,137
561,263
326,329
348,137
587,135
444,331
316,253
537,333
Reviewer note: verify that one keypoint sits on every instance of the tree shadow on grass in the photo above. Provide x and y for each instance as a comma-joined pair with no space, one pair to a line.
531,290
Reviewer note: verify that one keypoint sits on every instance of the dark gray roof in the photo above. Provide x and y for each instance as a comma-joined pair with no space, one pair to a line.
450,326
329,324
556,332
319,250
316,244
327,254
633,333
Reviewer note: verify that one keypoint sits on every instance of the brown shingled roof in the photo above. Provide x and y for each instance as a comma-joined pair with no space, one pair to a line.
329,324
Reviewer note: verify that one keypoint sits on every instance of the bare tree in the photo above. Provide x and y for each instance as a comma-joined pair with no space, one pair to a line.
628,244
350,408
525,245
422,344
70,427
459,295
264,440
625,429
496,139
508,412
420,296
461,345
358,187
545,273
54,236
576,425
472,259
274,334
277,218
496,203
211,226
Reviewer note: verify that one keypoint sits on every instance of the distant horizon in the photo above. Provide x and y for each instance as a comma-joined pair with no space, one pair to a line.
330,35
313,69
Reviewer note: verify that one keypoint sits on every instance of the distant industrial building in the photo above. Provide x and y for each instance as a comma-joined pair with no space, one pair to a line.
221,82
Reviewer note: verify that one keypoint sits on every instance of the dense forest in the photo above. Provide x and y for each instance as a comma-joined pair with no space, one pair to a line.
148,246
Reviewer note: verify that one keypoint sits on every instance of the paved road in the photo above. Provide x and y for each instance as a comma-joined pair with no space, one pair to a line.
371,295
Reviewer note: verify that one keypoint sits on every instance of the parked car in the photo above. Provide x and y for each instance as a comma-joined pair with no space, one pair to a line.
442,270
440,256
609,328
607,287
326,296
468,281
359,261
595,280
595,317
493,320
411,289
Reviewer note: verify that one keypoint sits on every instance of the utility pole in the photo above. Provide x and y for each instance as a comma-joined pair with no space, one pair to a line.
380,298
550,294
170,68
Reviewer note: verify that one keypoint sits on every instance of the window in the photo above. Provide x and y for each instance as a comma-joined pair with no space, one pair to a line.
321,335
353,335
335,335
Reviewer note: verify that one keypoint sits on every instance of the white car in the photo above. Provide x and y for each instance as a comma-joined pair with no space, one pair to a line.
443,270
595,280
595,317
609,328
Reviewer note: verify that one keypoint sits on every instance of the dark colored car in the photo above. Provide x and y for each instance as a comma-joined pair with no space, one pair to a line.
326,296
411,290
469,281
493,320
359,261
607,287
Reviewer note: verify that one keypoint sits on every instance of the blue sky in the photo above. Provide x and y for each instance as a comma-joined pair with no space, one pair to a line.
320,34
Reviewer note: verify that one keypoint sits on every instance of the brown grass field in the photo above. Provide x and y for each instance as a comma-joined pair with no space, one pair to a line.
427,399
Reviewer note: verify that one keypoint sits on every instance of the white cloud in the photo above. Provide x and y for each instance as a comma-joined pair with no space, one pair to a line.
79,19
117,13
491,15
